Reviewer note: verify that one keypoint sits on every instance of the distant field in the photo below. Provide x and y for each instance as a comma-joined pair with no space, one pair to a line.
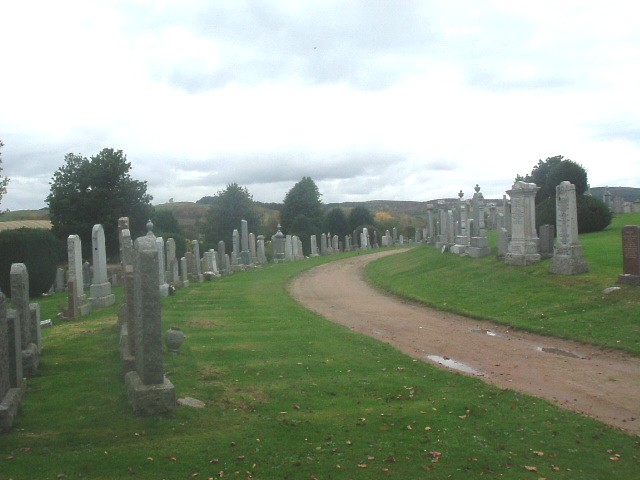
13,224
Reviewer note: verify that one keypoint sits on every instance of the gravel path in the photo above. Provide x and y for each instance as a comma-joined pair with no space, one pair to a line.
600,383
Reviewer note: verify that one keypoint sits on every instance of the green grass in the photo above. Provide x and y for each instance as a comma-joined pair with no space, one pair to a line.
289,396
529,298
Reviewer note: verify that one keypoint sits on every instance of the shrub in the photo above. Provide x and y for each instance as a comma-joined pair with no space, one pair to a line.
40,250
593,214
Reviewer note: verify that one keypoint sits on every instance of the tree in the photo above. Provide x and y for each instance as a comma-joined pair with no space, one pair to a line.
4,181
360,216
228,208
100,190
593,215
302,199
335,221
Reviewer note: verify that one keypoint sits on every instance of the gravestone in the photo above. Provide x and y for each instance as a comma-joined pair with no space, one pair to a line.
323,244
100,290
60,285
314,246
278,245
149,392
184,272
86,275
262,256
19,280
163,286
196,253
191,266
506,211
568,257
252,248
221,253
430,225
173,272
288,249
336,244
347,243
547,234
126,249
123,224
11,385
503,242
74,256
34,325
245,253
630,255
126,319
524,245
235,252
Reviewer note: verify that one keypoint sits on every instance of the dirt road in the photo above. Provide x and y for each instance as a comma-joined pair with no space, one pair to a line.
600,383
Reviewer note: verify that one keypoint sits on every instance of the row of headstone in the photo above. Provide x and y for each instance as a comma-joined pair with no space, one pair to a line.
20,344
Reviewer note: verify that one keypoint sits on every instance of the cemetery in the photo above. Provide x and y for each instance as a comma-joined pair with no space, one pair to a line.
258,386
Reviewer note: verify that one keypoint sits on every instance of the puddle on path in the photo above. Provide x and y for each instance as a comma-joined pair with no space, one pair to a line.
557,351
447,362
486,332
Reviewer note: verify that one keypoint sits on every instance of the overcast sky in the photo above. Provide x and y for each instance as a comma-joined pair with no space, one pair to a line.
395,100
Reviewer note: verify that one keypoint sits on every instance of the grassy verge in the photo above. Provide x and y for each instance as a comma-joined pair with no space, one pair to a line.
289,396
530,297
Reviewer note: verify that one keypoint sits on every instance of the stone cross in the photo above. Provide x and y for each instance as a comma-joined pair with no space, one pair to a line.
149,392
524,244
100,291
568,257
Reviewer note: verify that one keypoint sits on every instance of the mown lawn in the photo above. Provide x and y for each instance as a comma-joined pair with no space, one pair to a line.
530,298
289,396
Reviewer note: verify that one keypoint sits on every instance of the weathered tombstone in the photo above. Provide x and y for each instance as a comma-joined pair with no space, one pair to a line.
184,272
336,244
19,280
221,253
252,247
278,244
172,263
347,243
506,209
60,285
123,224
191,266
547,234
126,319
431,225
149,392
196,253
568,257
618,204
34,325
314,246
630,255
86,274
235,252
100,291
262,256
163,286
11,386
127,249
288,249
245,253
323,244
74,255
503,242
395,235
524,244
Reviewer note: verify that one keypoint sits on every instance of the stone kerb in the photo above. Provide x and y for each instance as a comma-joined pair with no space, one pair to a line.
149,392
568,257
19,280
11,385
100,290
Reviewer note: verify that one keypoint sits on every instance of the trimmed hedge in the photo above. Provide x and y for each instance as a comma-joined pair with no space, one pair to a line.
40,250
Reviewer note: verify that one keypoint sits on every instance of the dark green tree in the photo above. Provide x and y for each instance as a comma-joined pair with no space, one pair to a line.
166,225
360,216
335,221
302,199
228,208
97,190
593,214
4,181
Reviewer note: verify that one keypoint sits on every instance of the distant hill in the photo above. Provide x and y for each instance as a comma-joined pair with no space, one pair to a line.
630,194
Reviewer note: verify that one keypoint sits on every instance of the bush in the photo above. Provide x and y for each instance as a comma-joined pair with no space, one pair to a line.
40,250
593,214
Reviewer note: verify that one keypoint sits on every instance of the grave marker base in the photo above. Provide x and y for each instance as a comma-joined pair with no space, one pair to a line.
148,400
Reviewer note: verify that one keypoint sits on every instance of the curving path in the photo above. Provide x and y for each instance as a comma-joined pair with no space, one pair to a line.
593,381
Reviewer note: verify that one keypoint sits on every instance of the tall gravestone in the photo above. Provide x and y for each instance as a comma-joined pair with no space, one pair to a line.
245,253
221,253
547,237
11,386
184,272
261,253
60,285
430,225
235,242
568,257
252,247
196,253
278,243
74,257
173,272
323,244
100,290
19,279
314,246
163,286
524,245
630,255
288,249
149,392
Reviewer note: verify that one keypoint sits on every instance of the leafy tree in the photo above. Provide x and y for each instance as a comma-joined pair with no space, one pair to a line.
335,221
164,221
302,199
4,181
100,190
228,208
360,216
593,214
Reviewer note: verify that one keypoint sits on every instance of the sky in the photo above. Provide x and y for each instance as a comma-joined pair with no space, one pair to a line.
374,100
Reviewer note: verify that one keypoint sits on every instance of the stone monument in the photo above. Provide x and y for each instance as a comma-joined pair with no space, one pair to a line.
524,245
568,257
19,280
100,290
74,254
630,255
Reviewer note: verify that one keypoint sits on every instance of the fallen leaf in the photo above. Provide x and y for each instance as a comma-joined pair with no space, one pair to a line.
214,460
530,469
370,458
390,459
194,474
540,454
427,428
27,450
171,457
150,459
362,465
349,442
409,427
615,458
